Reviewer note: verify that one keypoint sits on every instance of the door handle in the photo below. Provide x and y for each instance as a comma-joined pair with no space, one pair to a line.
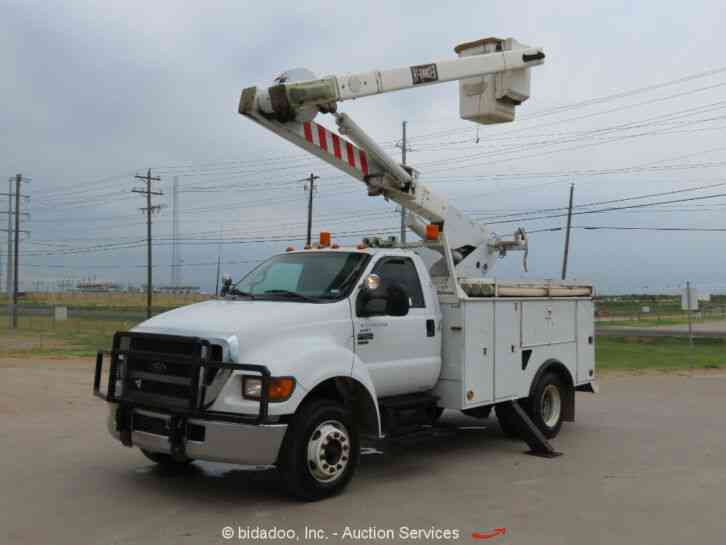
430,328
365,337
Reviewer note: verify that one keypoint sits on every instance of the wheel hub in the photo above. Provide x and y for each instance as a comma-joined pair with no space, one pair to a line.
551,405
329,451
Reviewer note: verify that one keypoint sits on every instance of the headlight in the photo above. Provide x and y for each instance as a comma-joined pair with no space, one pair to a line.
279,388
120,374
251,387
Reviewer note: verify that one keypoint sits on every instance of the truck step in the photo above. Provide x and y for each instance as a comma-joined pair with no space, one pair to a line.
406,413
408,401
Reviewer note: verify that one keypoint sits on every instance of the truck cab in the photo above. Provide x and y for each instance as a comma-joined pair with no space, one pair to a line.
321,323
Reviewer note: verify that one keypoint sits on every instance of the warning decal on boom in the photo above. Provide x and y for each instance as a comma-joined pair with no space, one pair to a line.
424,73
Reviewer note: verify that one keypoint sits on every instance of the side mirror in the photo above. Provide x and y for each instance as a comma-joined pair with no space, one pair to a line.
372,299
375,299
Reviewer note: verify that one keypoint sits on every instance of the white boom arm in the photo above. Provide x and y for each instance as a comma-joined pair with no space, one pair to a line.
289,107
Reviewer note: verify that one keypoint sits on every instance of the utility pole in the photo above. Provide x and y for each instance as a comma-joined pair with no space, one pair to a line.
219,259
9,274
149,209
13,210
310,186
18,181
175,265
567,235
219,263
403,162
16,248
689,304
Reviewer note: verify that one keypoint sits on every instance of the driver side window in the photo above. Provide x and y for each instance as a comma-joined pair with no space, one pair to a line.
401,270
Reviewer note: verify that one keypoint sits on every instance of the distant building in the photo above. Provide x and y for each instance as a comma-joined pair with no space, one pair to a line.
177,289
93,286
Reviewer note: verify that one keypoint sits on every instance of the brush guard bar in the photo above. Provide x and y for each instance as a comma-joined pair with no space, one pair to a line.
193,406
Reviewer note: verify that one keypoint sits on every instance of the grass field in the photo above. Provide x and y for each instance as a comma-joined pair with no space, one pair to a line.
40,337
659,353
108,301
653,321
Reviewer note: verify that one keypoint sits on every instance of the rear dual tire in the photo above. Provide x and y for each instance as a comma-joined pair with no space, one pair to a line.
544,407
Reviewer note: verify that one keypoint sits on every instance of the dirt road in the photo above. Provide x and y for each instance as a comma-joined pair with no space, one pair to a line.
644,463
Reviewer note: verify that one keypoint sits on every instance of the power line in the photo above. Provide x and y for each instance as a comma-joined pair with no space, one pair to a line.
626,228
610,201
614,208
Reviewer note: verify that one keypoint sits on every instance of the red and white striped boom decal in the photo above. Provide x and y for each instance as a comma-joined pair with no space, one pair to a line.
336,146
326,144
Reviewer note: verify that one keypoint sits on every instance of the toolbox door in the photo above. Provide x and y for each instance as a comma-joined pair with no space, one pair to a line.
507,359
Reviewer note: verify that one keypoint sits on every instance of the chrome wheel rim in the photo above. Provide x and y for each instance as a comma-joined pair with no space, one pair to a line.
329,451
551,405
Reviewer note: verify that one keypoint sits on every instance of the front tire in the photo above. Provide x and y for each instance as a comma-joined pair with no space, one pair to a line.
321,450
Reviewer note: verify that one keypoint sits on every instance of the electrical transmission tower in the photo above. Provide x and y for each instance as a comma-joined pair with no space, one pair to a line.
13,230
149,209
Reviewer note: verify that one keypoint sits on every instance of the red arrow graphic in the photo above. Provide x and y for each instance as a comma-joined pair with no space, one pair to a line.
490,534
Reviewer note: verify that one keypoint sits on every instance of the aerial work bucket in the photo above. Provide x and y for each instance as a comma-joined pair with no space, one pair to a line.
492,98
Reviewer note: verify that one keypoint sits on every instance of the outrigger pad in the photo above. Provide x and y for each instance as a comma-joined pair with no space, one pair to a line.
535,439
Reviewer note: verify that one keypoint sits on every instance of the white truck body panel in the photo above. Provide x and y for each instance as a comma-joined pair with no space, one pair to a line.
484,340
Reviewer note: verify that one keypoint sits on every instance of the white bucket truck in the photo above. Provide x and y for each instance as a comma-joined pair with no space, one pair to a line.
318,348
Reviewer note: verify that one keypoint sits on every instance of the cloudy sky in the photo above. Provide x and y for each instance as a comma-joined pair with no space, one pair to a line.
629,107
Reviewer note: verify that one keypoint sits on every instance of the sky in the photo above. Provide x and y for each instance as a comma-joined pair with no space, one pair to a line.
629,106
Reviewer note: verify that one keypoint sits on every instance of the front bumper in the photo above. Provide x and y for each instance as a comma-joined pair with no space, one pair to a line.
158,393
196,438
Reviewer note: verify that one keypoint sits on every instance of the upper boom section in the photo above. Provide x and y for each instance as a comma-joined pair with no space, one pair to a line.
294,100
493,77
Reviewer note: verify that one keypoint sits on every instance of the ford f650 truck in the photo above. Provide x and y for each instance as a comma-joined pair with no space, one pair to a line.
319,348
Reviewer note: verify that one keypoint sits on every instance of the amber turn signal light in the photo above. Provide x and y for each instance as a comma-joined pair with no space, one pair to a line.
432,231
281,388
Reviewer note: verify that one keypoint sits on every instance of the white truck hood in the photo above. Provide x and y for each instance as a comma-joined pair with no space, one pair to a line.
290,338
226,318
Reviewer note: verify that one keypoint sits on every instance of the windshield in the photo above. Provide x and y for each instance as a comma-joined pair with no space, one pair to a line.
313,276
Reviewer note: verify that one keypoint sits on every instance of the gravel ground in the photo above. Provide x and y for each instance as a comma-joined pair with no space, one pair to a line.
644,463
